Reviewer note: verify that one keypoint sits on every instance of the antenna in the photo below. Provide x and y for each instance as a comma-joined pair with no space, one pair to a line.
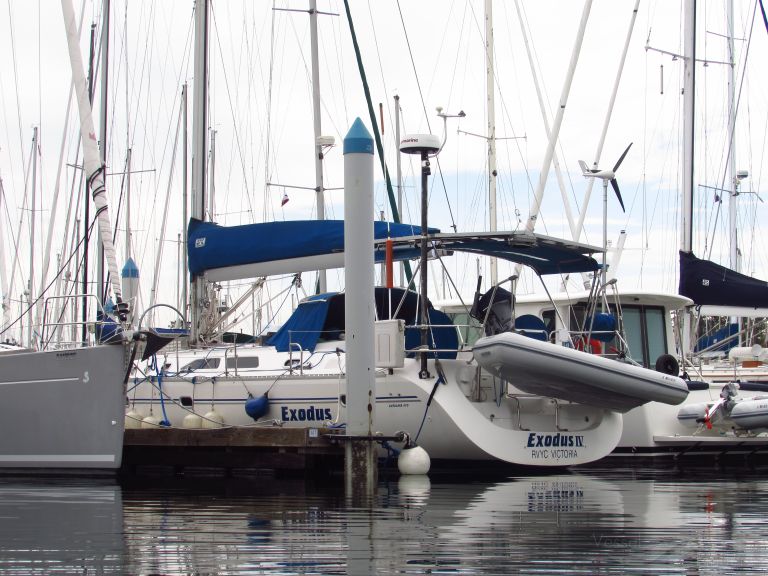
423,145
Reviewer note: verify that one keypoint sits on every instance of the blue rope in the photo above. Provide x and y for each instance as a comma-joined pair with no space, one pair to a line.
153,365
439,381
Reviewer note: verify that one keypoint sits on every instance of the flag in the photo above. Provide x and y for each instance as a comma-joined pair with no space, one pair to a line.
285,199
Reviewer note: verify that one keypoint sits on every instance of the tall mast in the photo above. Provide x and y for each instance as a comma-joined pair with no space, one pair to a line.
319,189
732,175
31,282
689,83
128,205
491,111
211,181
399,171
199,135
184,216
5,311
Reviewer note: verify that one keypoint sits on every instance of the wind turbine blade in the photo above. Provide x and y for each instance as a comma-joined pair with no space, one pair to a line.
616,189
622,157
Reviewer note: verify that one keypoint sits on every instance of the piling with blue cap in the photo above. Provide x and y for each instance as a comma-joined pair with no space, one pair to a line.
360,468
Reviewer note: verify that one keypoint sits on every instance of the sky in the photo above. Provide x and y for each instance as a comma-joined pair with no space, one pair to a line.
431,54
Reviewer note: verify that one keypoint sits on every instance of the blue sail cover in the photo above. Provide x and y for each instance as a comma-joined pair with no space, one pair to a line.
305,325
707,283
211,246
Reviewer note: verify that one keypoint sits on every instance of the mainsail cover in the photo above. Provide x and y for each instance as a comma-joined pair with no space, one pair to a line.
297,245
707,283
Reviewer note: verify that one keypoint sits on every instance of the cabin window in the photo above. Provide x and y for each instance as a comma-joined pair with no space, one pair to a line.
657,337
633,330
240,362
202,364
646,333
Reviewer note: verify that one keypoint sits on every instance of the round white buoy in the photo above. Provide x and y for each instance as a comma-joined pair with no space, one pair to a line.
413,460
133,419
192,421
150,422
213,419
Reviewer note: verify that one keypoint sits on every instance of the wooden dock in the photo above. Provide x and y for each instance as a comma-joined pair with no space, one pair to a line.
232,451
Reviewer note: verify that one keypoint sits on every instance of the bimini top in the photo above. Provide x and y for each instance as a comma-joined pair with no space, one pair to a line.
545,254
234,252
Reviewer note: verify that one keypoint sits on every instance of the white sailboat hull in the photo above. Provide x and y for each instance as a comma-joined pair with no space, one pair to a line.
501,425
62,409
549,370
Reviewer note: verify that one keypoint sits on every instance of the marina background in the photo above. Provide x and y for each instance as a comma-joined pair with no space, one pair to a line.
430,54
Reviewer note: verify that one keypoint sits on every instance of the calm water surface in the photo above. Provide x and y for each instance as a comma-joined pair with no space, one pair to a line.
628,521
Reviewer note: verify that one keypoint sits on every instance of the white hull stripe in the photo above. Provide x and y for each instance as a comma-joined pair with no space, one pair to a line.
57,457
42,381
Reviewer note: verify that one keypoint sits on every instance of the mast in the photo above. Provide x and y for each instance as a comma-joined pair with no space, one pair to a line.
185,200
211,182
30,282
319,189
399,174
689,78
491,111
732,175
128,205
5,310
199,134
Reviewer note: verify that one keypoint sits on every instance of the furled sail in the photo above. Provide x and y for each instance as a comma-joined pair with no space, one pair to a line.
91,164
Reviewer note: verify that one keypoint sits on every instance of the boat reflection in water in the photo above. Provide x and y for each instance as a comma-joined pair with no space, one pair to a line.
603,520
619,520
63,526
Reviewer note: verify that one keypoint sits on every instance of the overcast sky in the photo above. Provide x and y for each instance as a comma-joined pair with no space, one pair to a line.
430,53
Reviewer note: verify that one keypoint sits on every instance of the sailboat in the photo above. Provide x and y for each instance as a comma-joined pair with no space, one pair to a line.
61,407
429,383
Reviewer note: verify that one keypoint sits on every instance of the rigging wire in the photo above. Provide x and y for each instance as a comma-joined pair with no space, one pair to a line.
16,86
235,124
32,303
426,117
728,151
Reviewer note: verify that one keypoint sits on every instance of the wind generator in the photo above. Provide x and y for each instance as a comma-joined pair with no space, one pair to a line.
606,176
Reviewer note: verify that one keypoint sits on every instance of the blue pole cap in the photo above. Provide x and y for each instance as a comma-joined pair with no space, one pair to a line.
358,140
130,270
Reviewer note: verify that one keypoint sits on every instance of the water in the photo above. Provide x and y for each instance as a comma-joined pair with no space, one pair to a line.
584,522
